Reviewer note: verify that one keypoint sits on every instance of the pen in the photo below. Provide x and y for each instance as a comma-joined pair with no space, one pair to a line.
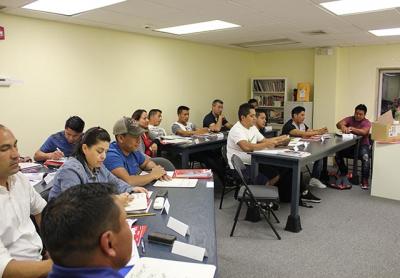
142,243
140,215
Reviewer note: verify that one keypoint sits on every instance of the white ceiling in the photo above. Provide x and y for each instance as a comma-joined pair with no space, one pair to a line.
260,20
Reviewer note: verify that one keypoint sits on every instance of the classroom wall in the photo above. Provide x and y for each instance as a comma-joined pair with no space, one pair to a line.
102,75
296,65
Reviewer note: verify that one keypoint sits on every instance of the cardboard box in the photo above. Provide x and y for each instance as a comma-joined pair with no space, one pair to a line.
303,91
384,129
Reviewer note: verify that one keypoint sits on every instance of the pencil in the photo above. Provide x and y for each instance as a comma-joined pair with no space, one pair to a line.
140,215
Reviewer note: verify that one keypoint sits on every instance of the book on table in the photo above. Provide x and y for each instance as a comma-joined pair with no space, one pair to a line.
139,204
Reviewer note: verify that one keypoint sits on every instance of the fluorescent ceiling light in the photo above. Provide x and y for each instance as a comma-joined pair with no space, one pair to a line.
343,7
386,32
198,27
69,7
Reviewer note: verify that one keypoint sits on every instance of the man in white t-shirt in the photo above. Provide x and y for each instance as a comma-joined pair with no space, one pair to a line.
20,244
183,127
155,118
244,137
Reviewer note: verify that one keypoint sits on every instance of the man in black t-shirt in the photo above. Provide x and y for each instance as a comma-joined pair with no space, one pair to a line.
214,120
295,127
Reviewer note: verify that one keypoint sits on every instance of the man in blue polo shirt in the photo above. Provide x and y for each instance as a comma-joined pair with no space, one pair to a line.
86,233
61,144
125,161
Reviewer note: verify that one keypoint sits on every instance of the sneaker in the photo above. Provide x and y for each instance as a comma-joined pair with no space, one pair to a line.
346,184
337,184
307,196
316,183
364,184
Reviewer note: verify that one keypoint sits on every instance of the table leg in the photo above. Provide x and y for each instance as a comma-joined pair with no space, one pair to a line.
324,173
185,160
293,223
253,169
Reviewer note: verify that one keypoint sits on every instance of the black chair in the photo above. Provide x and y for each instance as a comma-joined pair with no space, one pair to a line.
231,180
255,194
163,162
350,158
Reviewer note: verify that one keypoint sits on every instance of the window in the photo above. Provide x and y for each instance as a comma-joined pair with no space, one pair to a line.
389,92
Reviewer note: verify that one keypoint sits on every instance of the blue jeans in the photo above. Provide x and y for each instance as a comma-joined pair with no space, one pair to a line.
363,154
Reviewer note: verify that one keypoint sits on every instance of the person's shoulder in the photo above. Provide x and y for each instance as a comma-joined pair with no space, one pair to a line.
20,179
58,135
113,147
367,121
72,164
208,116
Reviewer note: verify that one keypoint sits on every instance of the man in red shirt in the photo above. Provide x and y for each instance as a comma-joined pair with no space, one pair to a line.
358,125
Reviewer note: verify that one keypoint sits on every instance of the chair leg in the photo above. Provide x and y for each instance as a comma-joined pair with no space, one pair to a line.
222,196
270,224
236,216
274,215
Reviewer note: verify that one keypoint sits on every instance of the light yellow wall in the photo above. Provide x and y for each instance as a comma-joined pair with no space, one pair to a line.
296,65
358,76
325,90
102,75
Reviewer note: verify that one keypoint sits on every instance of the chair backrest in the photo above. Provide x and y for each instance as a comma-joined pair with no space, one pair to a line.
163,162
240,167
223,152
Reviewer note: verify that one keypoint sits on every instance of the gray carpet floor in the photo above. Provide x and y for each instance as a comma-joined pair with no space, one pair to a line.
349,234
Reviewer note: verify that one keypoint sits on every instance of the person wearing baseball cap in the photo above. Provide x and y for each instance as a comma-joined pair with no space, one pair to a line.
125,161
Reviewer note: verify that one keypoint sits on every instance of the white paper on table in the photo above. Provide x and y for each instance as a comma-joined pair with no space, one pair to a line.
135,254
210,184
49,177
182,183
346,137
158,268
178,226
188,250
139,202
170,173
166,206
271,151
25,165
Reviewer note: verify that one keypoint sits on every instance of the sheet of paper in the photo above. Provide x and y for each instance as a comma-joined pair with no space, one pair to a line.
139,202
178,226
158,268
24,165
135,255
188,250
170,173
49,177
347,136
210,184
182,183
166,206
271,151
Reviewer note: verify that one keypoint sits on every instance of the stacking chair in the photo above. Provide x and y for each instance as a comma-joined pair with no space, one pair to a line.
255,194
163,162
231,180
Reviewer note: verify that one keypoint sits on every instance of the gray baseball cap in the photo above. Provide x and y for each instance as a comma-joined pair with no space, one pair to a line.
127,125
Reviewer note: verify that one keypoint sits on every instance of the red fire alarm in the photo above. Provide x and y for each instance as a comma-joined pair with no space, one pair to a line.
2,34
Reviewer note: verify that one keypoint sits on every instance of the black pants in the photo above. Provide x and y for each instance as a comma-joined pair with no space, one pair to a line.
363,154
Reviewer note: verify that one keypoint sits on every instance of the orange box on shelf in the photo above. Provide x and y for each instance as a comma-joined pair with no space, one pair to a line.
303,91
